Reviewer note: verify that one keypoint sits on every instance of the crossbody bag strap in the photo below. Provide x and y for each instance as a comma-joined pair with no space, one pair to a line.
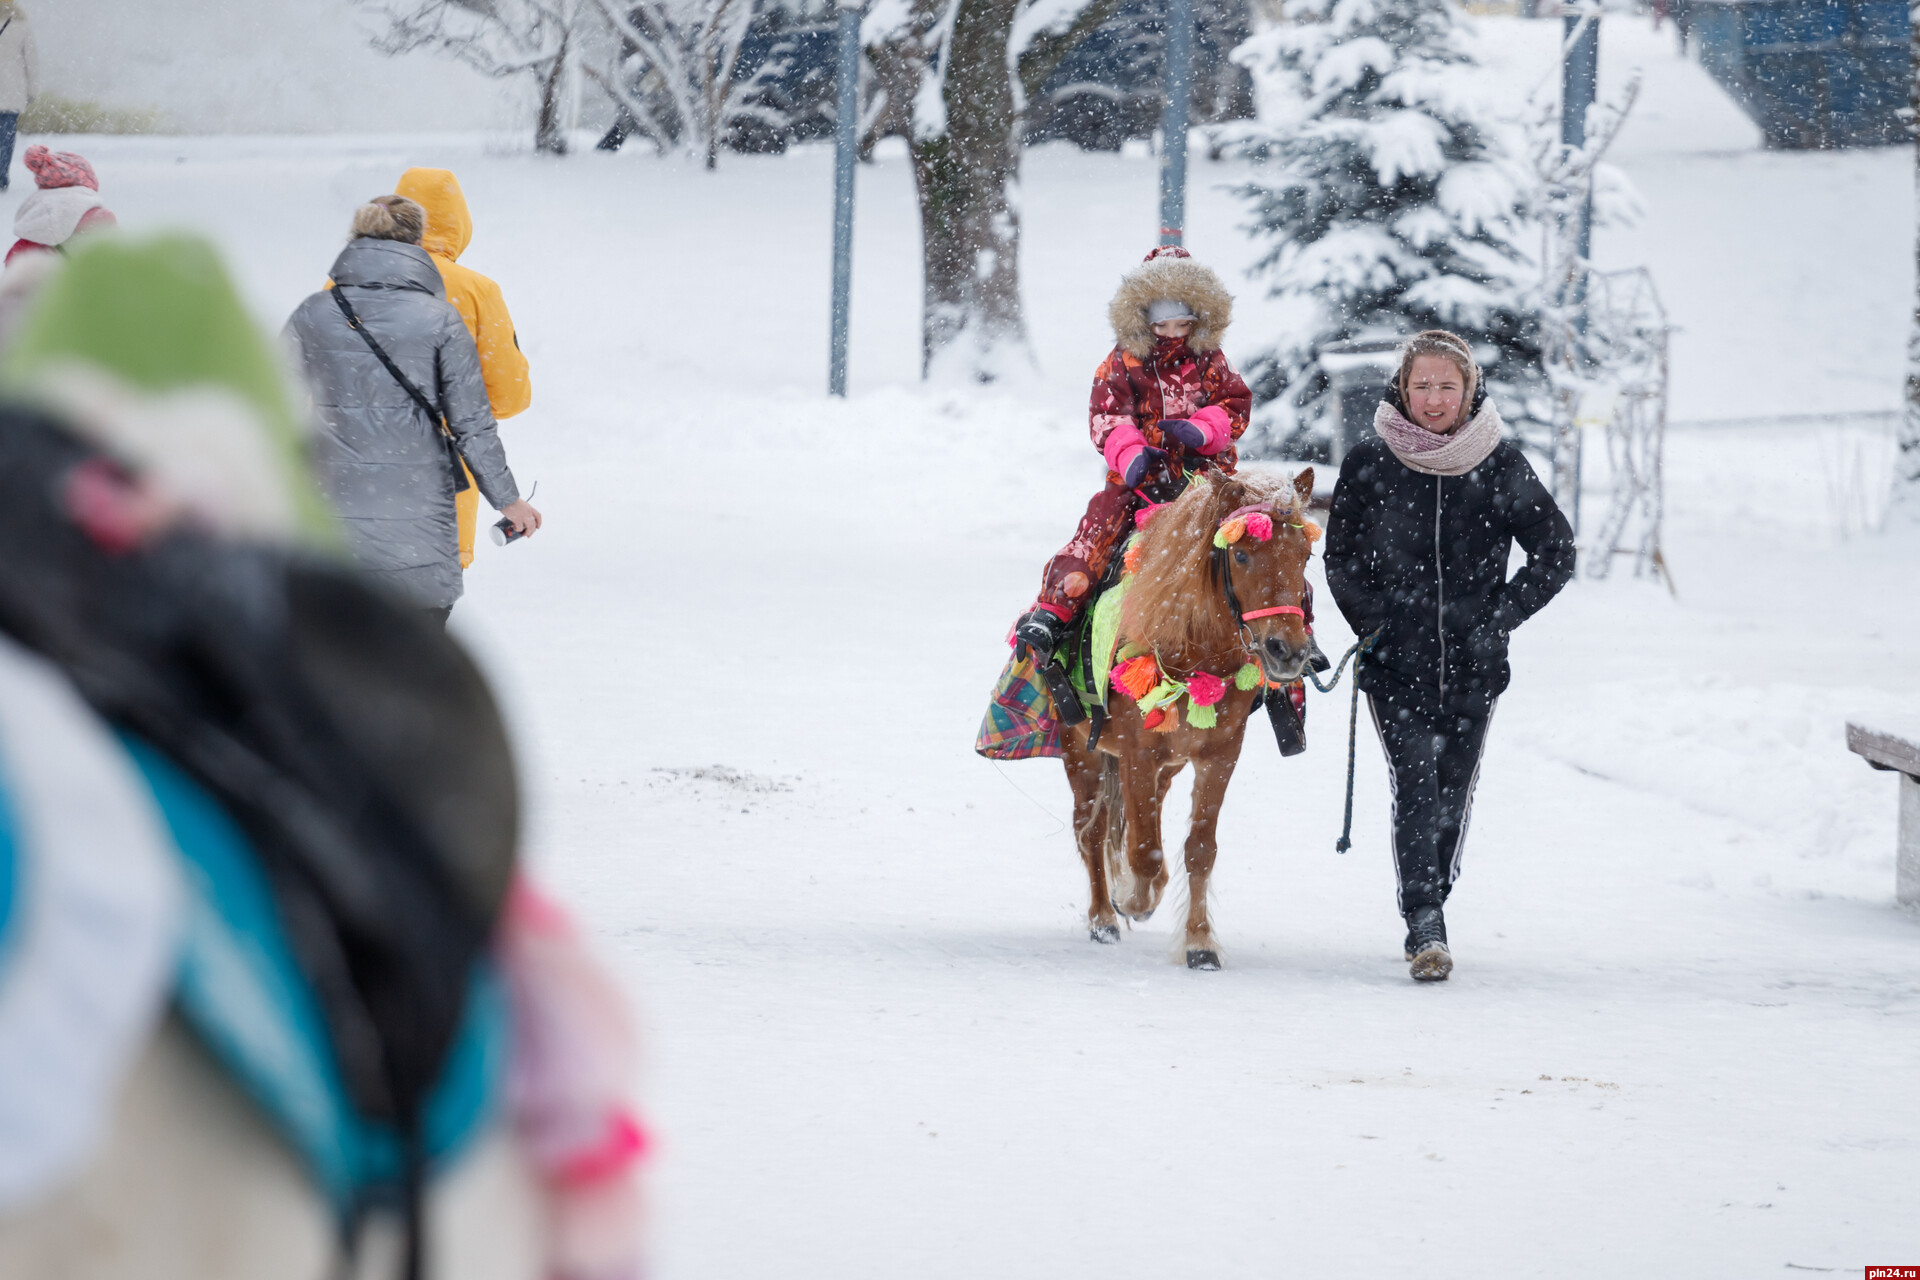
434,415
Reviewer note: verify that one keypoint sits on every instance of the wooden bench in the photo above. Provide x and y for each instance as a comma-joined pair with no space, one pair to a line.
1898,753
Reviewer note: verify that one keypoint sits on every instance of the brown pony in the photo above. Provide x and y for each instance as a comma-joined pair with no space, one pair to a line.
1186,605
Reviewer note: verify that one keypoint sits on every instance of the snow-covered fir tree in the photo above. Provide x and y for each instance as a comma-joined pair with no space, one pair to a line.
1393,200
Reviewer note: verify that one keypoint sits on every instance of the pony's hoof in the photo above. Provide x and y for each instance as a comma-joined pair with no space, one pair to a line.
1198,958
1105,933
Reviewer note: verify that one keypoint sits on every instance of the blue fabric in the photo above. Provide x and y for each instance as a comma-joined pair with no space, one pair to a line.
9,874
242,991
9,120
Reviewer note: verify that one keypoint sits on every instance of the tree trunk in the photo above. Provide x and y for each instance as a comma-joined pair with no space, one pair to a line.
966,168
963,170
1906,464
550,134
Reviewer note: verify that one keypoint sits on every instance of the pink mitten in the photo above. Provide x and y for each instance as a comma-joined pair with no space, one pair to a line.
568,1079
1219,428
1123,446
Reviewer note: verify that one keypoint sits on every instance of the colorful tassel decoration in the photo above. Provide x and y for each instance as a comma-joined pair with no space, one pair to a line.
1248,678
1136,676
1202,715
1259,526
1156,718
1131,557
1313,530
1205,690
1167,722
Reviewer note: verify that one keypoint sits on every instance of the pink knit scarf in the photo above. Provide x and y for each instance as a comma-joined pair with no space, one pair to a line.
1437,455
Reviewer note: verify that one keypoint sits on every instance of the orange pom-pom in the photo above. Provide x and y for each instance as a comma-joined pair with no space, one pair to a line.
1137,677
1313,530
1235,529
1131,559
1167,723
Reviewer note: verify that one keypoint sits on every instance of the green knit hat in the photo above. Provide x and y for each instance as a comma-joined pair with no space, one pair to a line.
161,315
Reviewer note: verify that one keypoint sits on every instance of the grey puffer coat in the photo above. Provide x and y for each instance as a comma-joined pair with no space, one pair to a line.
382,462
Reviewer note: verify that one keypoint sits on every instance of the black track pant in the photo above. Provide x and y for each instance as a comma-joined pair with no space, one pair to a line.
1433,762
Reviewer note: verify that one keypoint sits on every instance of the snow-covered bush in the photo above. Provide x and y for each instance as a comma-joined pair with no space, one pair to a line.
672,71
1394,199
507,39
1595,339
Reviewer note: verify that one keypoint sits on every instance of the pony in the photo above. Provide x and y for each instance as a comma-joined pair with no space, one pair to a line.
1214,614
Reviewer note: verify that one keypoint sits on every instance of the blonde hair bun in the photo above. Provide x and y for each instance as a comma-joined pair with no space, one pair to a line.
390,218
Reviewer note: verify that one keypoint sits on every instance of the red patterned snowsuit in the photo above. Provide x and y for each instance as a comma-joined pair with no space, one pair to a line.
1172,382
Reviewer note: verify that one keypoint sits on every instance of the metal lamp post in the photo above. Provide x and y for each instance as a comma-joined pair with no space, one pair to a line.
845,141
1173,122
1579,76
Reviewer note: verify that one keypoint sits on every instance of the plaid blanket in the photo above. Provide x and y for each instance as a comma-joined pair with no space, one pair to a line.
1019,723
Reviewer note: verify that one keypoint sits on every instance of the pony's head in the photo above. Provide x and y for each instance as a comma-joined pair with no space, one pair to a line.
1225,566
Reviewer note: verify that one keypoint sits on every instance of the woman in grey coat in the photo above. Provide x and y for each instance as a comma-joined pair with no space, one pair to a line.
384,461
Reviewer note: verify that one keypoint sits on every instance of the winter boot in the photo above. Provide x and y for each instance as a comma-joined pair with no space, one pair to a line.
1040,633
1427,945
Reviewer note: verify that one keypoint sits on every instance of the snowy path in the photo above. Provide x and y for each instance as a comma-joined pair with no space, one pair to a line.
1680,1040
1682,1035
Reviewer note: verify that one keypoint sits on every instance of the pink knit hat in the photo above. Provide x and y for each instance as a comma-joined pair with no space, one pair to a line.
53,169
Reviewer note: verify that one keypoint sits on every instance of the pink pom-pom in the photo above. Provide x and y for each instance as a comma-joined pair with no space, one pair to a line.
1259,527
1204,689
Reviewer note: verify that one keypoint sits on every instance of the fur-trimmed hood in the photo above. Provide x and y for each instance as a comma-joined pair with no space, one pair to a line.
1170,275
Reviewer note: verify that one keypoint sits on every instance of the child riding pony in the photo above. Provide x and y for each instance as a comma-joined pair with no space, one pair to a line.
1165,403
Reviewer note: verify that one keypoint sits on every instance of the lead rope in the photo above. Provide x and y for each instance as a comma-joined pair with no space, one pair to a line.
1359,649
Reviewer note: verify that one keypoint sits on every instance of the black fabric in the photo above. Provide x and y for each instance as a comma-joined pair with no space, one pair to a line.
427,406
1289,730
354,743
1425,558
1433,762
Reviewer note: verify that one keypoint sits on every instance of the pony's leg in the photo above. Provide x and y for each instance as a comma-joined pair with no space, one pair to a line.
1210,778
1143,783
1085,774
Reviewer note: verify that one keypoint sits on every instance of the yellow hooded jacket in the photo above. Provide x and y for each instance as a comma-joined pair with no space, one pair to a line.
480,304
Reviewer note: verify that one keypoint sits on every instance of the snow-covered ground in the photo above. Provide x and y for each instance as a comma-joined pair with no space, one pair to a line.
748,655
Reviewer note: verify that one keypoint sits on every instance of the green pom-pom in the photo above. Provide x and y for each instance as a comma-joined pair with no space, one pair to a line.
1161,694
1202,717
1247,678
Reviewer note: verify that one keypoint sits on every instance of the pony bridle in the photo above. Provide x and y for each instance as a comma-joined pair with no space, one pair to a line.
1257,524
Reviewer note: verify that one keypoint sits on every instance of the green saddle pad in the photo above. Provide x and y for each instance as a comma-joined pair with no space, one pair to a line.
1088,654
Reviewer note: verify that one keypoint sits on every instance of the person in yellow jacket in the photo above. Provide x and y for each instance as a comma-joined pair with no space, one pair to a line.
480,304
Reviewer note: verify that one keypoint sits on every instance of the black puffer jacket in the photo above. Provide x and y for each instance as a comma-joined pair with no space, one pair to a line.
1425,557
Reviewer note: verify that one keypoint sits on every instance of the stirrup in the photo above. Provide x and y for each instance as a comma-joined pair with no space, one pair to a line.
1067,708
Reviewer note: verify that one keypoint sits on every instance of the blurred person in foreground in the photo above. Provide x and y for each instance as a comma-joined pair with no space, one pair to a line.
19,79
402,407
1424,518
275,1000
482,308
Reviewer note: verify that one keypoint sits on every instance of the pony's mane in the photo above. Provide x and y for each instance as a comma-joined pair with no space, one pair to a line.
1175,601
